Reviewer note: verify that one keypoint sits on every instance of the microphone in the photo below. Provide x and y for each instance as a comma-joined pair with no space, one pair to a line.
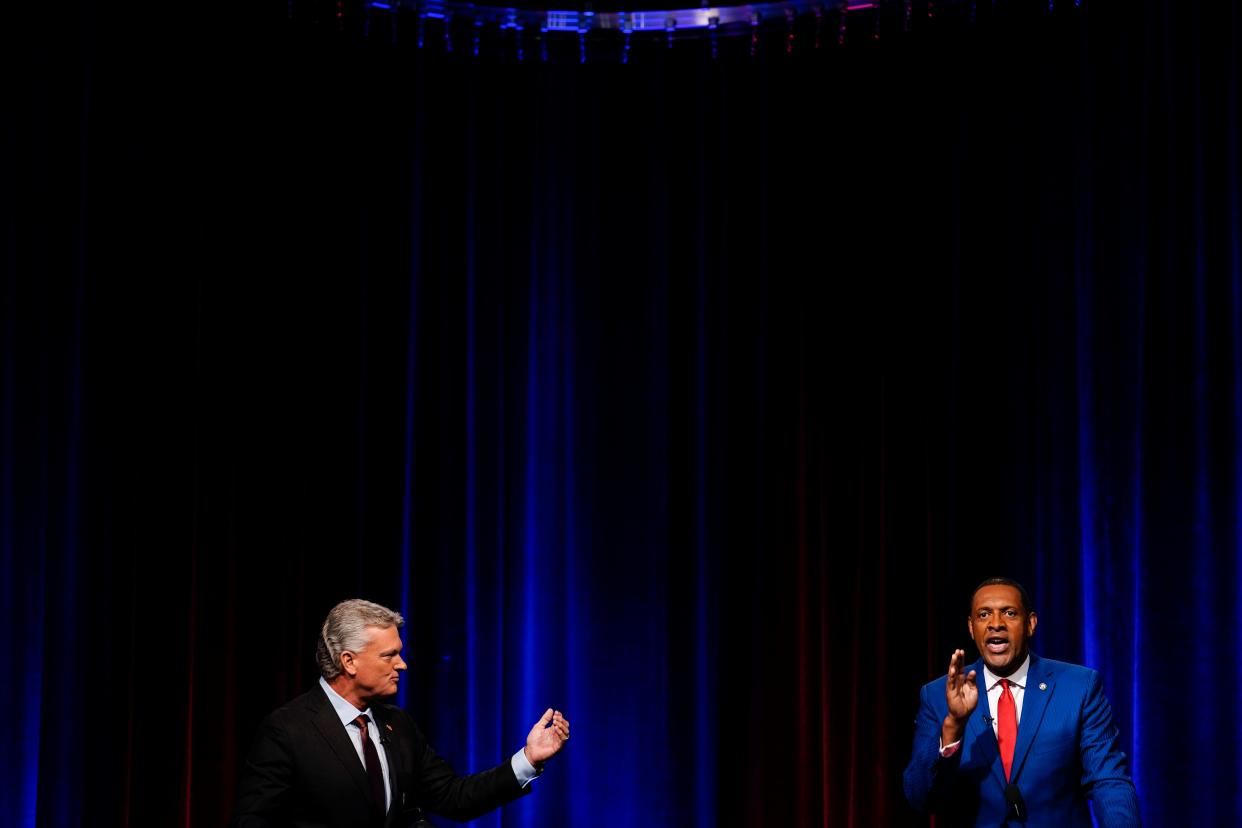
987,720
1015,807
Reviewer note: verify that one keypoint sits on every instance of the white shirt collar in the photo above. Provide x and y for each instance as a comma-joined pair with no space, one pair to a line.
345,711
990,679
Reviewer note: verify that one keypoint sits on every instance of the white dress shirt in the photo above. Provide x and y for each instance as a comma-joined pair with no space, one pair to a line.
1017,688
346,712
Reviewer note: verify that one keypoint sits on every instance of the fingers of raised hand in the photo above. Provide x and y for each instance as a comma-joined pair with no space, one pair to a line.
955,668
955,663
552,729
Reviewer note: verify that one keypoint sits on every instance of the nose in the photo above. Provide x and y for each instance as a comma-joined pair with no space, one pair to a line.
400,663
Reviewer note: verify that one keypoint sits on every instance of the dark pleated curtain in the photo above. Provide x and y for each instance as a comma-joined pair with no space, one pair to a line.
689,396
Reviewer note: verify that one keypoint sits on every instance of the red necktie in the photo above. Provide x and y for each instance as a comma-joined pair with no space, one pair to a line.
374,772
1006,726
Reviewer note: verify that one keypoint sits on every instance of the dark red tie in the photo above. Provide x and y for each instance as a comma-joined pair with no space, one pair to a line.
1006,726
374,772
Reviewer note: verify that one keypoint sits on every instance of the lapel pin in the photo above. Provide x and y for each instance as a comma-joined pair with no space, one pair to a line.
1042,686
390,726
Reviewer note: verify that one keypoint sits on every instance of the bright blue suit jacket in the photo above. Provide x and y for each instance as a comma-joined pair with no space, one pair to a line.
1068,751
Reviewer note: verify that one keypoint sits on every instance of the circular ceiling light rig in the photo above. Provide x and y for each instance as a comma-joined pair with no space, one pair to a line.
580,35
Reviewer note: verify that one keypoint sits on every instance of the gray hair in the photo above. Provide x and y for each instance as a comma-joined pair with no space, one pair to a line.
345,628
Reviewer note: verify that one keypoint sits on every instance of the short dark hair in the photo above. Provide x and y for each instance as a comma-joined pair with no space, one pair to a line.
1010,582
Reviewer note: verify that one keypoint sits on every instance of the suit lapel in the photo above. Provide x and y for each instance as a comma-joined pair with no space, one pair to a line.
391,754
329,726
980,731
1034,703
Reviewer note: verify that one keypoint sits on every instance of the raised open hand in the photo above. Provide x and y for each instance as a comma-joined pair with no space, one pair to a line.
547,737
960,691
962,694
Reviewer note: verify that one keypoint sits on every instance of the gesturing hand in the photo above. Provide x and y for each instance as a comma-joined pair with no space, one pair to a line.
960,691
962,695
547,737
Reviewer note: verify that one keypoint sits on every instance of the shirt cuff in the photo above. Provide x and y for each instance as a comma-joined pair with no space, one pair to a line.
945,750
523,769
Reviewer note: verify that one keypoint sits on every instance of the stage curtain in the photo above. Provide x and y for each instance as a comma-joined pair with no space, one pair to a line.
690,396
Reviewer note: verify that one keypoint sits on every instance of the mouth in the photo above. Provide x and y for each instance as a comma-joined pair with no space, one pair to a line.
997,644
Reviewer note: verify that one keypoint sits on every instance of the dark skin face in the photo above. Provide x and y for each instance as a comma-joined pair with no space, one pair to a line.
1001,627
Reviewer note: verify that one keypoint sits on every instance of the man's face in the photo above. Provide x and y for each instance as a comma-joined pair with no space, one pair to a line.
378,666
1001,627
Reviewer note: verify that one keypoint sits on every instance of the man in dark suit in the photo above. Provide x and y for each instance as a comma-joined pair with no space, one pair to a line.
337,756
1016,739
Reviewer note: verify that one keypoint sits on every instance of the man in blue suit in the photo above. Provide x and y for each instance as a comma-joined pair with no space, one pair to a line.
1016,739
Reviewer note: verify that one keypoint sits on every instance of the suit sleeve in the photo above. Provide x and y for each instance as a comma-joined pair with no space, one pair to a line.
265,789
462,798
928,777
1105,776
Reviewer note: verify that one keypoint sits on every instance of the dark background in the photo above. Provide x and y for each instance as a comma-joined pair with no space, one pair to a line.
690,396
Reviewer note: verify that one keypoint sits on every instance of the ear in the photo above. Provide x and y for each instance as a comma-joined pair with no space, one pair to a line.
347,664
1031,621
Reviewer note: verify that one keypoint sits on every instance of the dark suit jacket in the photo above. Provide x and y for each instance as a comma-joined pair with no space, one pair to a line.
303,772
1068,751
